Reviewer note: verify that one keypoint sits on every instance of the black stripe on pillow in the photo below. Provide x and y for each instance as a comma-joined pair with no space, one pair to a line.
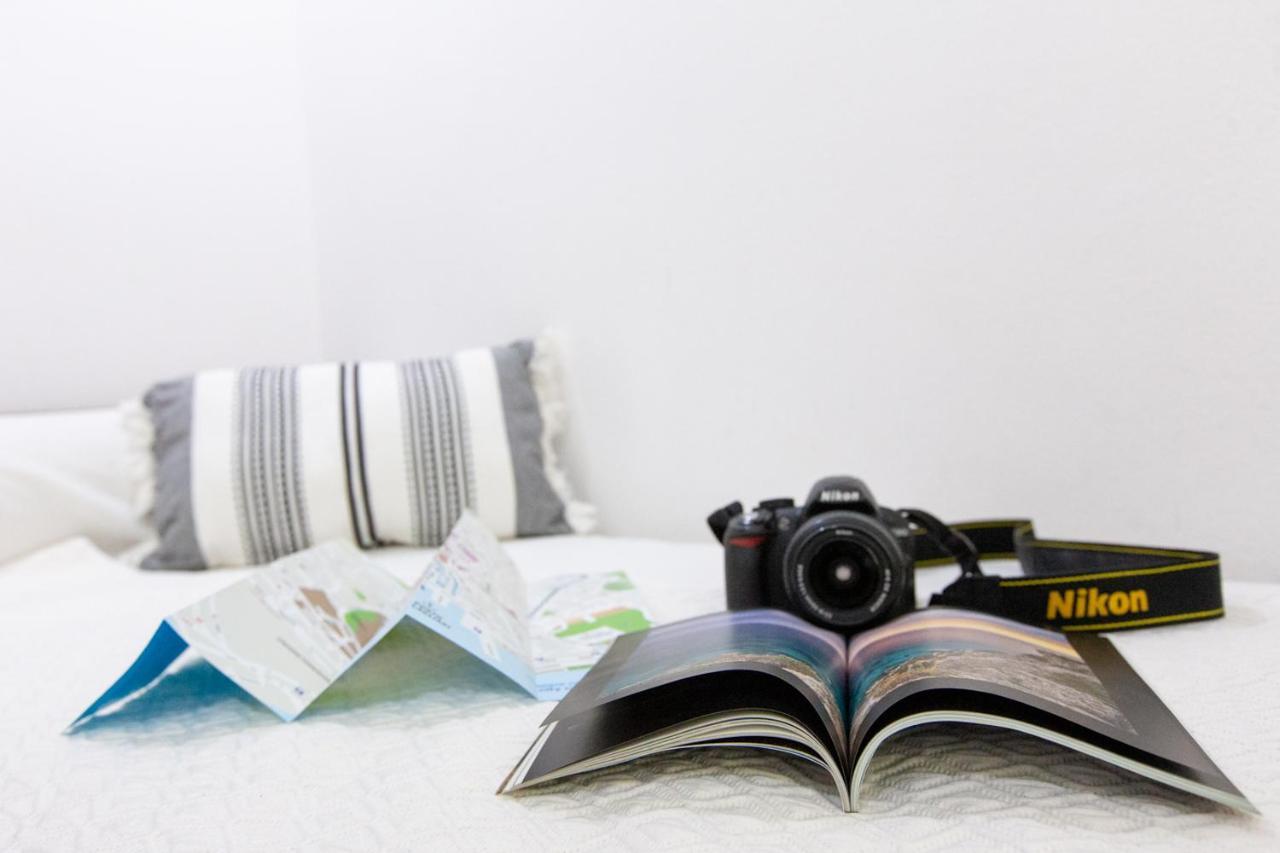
353,471
439,462
268,476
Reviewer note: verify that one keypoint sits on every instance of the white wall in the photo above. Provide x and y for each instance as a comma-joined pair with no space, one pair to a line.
997,257
154,208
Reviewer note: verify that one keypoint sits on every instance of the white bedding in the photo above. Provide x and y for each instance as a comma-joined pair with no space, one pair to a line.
406,750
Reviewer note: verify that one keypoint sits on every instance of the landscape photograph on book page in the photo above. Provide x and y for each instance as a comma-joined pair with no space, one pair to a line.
975,650
772,641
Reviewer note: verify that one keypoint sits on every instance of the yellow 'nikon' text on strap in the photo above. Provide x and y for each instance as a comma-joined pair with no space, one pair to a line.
1080,586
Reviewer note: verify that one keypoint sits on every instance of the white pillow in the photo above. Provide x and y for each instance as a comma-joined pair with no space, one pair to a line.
63,474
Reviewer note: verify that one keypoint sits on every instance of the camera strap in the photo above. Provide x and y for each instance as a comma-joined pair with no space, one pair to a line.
1074,586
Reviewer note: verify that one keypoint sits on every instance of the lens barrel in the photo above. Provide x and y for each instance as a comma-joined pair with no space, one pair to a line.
843,570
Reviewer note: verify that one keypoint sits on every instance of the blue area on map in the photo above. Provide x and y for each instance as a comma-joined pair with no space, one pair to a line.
447,622
162,650
554,686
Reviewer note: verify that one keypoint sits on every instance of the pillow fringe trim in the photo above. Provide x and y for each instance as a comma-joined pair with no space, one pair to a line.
140,463
545,376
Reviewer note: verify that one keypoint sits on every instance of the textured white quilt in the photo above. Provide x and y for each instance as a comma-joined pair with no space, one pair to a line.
406,750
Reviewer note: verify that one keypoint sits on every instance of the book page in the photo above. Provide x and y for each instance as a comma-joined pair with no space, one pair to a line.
762,678
808,658
961,648
943,664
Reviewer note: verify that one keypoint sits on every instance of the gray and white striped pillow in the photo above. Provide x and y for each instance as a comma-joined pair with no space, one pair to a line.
253,464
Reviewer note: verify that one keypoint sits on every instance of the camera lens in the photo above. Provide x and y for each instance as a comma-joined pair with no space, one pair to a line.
844,570
844,573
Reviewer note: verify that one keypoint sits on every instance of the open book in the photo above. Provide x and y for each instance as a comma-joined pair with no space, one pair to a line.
767,679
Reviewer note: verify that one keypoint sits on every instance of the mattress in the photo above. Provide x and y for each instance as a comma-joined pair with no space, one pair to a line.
406,750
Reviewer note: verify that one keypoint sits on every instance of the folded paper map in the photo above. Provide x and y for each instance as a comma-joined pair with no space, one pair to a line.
287,632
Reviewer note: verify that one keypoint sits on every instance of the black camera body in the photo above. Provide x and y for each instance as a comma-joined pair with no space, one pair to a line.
841,561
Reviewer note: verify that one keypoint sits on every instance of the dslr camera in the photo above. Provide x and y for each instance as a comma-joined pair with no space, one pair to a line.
841,560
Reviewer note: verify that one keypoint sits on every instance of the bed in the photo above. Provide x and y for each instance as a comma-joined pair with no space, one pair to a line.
406,750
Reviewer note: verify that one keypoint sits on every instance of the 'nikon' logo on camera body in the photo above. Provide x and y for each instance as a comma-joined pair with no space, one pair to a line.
837,496
1089,602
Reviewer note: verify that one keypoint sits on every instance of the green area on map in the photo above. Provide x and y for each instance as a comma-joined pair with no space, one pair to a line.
623,620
